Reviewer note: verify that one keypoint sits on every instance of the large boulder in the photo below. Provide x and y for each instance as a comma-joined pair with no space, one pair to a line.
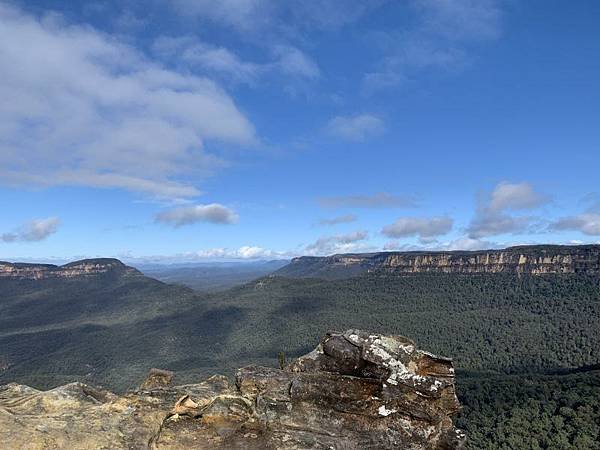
356,390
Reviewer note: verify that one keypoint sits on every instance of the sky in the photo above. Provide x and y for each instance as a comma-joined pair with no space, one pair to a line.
195,130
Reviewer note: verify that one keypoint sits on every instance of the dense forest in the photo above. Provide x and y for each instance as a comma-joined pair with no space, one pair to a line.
513,339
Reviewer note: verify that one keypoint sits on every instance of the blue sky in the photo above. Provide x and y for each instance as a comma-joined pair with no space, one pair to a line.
191,130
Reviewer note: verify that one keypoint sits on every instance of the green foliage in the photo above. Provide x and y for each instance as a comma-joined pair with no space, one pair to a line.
559,412
514,330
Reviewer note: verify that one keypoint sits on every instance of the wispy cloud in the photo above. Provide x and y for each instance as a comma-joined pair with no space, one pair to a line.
257,15
379,200
33,231
355,128
187,215
217,61
101,114
440,39
348,218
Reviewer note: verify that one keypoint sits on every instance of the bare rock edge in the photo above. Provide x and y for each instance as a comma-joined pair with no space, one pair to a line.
356,390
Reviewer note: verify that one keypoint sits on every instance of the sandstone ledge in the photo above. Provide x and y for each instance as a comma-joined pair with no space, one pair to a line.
356,390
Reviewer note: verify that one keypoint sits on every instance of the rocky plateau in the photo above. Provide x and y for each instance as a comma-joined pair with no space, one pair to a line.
24,271
532,260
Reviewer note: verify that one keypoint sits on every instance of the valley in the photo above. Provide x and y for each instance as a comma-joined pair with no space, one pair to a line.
511,335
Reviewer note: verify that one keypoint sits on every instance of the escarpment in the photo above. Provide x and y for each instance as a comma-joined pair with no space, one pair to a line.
81,268
356,390
533,260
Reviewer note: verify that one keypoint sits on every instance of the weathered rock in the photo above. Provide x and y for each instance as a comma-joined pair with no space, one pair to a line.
356,390
156,379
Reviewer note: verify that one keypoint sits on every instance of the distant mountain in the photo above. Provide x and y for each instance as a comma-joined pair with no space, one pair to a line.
82,320
212,277
534,259
109,327
74,269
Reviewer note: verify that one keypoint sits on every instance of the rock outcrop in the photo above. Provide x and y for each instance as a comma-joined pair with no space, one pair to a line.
534,260
356,390
86,267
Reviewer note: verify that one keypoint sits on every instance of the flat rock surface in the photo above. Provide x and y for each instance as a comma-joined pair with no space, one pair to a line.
356,390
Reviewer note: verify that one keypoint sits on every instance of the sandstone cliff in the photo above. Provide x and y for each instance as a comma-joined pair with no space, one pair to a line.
84,267
535,260
356,390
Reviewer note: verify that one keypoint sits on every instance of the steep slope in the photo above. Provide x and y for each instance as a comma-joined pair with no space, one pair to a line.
536,259
73,322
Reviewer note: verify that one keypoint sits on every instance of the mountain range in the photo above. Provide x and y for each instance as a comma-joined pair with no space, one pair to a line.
505,316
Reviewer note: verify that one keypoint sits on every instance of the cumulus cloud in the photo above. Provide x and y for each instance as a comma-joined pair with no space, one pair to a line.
101,114
341,243
586,223
488,223
379,200
186,215
339,219
492,216
355,128
33,231
515,196
427,229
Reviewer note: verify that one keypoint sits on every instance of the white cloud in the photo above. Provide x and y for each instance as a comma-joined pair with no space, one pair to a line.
355,128
586,223
213,59
467,243
286,60
246,252
81,108
492,217
515,196
463,243
379,200
293,61
427,229
186,215
341,243
338,220
33,231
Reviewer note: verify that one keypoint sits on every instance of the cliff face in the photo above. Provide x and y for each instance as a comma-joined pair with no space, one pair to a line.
536,260
356,390
84,267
